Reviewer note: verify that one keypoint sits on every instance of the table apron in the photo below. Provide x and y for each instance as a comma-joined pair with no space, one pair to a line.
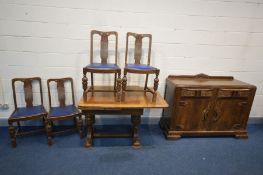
122,111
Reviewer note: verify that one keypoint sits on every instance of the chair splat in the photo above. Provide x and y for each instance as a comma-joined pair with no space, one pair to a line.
104,46
28,92
138,49
61,92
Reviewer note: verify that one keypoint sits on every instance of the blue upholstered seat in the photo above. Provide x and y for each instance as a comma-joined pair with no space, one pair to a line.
140,67
63,111
28,111
102,66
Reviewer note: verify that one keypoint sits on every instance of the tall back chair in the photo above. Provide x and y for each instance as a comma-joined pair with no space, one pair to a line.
63,111
103,66
137,67
29,112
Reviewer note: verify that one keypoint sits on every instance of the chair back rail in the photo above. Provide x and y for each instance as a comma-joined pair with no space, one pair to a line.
104,45
61,90
27,90
138,47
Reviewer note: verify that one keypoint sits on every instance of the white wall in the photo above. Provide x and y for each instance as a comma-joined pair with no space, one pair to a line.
50,38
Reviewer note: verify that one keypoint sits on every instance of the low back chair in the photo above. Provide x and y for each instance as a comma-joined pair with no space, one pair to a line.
63,111
29,111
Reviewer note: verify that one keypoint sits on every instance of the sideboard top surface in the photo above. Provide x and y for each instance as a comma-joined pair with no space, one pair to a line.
206,80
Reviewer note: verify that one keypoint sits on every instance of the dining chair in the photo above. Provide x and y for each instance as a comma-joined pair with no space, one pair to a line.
104,67
137,67
28,112
63,111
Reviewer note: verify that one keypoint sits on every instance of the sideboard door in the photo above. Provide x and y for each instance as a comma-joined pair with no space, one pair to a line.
191,108
231,109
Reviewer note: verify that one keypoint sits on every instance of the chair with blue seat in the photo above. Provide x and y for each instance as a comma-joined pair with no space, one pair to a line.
29,112
137,67
63,111
103,66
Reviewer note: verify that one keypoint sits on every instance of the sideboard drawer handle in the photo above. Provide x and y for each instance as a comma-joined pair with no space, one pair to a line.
243,103
183,103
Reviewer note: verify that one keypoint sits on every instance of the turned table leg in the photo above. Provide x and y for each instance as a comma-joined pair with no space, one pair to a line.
90,118
124,81
136,120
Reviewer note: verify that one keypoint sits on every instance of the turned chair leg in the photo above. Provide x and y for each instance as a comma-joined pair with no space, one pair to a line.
119,80
124,81
91,80
12,134
44,121
19,126
155,86
48,126
84,81
115,82
124,85
146,82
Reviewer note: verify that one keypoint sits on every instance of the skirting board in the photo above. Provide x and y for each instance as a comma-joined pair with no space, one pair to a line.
116,120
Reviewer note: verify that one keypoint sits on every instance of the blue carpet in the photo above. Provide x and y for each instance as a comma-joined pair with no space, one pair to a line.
200,156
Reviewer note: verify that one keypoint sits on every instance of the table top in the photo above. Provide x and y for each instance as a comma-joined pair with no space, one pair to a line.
107,100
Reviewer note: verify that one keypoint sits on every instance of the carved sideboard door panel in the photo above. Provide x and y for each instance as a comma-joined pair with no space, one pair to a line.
192,109
232,109
203,105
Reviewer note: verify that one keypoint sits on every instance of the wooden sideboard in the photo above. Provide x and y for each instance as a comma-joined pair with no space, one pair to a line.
203,105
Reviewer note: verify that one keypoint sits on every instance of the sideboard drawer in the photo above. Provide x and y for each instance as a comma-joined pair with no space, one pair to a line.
196,92
224,93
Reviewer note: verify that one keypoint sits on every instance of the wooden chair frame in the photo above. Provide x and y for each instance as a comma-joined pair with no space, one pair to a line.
137,58
14,132
104,56
62,98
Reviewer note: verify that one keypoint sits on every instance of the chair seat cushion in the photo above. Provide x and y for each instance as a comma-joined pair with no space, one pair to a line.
28,111
102,66
143,67
63,111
